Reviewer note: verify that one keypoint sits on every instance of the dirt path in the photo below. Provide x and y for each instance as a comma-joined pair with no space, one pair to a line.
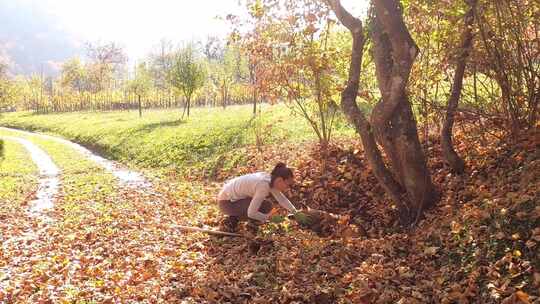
112,236
49,181
125,177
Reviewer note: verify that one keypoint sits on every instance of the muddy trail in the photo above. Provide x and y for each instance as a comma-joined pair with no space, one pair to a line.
125,176
70,200
48,176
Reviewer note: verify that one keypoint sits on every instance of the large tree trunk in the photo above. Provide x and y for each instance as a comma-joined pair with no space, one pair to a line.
450,155
392,118
357,118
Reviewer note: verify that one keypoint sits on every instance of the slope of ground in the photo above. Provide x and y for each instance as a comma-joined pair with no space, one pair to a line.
478,245
160,139
108,244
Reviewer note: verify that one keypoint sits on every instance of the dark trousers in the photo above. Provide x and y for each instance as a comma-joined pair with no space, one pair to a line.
239,208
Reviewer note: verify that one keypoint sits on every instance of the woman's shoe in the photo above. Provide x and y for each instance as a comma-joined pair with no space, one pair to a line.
229,224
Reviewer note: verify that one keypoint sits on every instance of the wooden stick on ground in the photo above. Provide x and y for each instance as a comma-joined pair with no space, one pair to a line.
208,231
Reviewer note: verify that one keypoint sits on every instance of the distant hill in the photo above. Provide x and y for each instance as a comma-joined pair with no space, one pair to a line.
32,38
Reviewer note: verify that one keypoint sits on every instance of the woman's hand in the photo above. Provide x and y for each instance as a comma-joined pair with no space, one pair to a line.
301,217
276,219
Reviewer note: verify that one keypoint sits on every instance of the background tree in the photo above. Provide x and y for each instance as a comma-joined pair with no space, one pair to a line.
289,54
252,48
6,93
5,85
141,84
160,63
222,72
3,68
106,59
213,48
73,75
187,74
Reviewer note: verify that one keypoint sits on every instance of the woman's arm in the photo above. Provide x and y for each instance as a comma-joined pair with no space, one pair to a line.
283,201
253,210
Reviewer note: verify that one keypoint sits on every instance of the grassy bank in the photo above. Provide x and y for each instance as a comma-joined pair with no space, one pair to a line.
160,139
18,174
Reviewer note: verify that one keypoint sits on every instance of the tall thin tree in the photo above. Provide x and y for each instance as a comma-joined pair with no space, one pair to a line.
450,155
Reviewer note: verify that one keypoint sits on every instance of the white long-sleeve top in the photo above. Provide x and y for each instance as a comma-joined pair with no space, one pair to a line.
256,186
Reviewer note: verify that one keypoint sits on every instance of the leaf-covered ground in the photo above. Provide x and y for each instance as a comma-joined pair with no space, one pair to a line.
108,244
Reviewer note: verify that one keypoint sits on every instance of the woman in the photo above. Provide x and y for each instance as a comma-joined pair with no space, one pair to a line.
244,197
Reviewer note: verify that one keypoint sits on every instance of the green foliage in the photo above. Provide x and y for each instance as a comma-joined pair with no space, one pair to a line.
277,219
142,83
302,218
74,75
187,73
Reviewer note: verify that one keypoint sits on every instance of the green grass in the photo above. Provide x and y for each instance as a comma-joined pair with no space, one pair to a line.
18,174
159,139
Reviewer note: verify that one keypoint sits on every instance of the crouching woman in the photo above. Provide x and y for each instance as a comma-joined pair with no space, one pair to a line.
243,197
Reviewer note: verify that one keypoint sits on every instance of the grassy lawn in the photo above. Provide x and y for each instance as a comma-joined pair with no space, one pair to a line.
159,139
18,174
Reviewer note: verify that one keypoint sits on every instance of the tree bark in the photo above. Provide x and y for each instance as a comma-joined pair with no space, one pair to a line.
252,80
188,105
455,162
254,102
392,118
357,118
140,106
185,108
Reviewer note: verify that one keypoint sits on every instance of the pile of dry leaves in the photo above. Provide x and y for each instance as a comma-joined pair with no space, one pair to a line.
479,244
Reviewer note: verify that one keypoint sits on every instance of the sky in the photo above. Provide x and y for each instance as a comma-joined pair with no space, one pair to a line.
46,32
139,24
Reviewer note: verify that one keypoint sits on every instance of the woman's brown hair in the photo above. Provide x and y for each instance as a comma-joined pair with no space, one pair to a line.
280,170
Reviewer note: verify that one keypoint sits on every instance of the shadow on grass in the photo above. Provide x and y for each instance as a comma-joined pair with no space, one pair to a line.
152,126
208,151
28,114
